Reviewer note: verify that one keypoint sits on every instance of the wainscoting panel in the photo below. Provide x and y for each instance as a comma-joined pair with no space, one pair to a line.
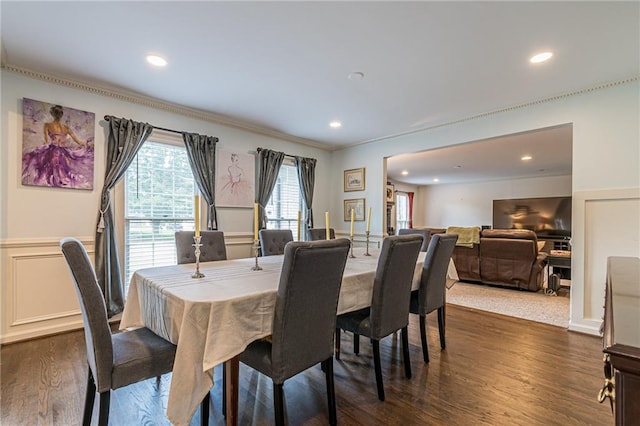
38,297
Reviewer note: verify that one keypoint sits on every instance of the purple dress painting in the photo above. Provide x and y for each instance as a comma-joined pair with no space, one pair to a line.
57,146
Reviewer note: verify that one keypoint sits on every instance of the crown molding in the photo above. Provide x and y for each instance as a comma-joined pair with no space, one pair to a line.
150,102
502,110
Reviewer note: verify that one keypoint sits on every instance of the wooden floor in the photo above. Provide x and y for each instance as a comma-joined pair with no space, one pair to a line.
496,370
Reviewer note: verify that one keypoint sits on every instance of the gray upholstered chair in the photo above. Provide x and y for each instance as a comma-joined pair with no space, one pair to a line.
213,247
426,235
114,360
389,310
431,294
272,241
315,234
304,319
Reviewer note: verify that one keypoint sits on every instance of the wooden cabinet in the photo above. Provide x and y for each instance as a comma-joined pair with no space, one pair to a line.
621,338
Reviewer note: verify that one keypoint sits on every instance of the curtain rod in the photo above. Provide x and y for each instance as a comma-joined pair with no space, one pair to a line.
285,154
106,117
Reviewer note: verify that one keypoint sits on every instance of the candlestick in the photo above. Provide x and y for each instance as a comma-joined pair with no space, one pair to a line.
326,220
369,220
299,218
367,252
353,211
256,250
196,244
197,214
255,221
351,249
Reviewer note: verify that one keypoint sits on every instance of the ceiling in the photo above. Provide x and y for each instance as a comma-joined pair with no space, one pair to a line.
283,67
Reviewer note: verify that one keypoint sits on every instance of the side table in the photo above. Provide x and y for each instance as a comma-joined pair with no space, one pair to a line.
561,262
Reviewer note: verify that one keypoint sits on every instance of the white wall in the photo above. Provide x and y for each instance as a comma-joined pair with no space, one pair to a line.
36,295
471,204
606,157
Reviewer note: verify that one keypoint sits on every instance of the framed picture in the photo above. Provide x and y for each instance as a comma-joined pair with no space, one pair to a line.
57,145
356,204
354,180
391,193
235,179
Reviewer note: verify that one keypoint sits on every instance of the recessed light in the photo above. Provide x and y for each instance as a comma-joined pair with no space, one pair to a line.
356,75
335,124
156,60
436,180
541,57
404,173
526,157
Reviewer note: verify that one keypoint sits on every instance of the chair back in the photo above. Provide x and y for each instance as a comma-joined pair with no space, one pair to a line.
392,284
306,305
426,235
434,272
272,241
94,312
316,234
213,246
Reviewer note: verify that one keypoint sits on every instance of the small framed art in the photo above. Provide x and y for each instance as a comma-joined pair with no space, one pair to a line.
356,204
354,179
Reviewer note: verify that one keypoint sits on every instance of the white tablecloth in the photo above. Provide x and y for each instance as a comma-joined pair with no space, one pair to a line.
214,318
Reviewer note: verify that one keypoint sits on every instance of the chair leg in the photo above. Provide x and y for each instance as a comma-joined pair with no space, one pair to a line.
105,398
278,403
441,327
378,368
224,389
88,401
405,352
204,410
356,343
337,343
331,392
423,337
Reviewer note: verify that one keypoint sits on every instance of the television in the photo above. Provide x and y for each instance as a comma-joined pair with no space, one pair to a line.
548,217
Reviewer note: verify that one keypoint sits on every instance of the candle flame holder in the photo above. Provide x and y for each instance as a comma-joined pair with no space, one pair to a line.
196,244
367,252
256,250
351,249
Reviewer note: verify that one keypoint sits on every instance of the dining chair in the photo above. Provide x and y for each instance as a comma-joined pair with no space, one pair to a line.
389,310
115,360
213,246
315,234
426,235
431,294
273,241
304,319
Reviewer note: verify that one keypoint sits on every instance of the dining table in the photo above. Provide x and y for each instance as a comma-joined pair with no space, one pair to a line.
212,319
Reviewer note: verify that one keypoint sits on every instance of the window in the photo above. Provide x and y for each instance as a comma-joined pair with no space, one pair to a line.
285,202
402,210
159,190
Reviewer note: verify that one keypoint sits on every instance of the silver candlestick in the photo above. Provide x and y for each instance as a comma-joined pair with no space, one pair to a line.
351,249
367,252
256,250
197,245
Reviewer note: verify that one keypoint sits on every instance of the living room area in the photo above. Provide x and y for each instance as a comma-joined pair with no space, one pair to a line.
509,199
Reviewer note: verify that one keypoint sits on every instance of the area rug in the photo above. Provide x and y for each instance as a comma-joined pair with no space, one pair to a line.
538,307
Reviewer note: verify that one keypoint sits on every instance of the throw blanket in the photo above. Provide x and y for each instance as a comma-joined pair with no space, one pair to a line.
467,236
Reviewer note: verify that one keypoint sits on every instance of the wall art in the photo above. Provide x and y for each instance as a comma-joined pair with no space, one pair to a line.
354,180
235,179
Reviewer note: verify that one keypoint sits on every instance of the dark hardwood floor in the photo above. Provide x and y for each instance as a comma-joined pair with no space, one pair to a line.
496,370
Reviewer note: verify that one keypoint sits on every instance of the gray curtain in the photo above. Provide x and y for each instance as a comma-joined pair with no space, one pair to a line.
306,168
269,163
123,143
201,151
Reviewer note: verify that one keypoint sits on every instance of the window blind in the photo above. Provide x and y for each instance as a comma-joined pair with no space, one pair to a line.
285,202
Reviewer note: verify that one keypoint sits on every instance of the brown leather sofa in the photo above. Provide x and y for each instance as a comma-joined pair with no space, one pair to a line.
504,257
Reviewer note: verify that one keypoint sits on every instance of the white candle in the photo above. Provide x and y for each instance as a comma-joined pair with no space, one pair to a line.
353,212
255,221
369,220
326,220
197,213
299,219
